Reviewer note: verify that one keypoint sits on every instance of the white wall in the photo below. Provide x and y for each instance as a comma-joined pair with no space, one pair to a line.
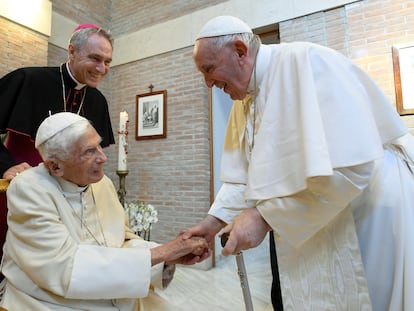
33,14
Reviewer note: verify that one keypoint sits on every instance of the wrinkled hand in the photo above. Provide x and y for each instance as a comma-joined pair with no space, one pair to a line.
15,170
247,230
191,259
181,251
207,228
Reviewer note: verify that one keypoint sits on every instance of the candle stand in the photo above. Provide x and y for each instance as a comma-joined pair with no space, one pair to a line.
122,190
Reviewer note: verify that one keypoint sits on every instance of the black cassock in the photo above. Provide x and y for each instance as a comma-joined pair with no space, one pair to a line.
28,95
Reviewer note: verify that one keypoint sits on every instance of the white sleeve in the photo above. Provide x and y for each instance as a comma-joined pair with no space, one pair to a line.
229,202
105,273
298,217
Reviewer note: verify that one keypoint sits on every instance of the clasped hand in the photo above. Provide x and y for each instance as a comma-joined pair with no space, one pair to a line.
181,251
247,230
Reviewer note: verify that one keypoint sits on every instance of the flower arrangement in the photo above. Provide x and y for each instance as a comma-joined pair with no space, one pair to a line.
141,217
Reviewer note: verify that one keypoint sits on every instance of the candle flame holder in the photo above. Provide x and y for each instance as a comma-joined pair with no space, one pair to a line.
122,189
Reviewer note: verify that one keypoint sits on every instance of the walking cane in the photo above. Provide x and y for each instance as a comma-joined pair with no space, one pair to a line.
241,270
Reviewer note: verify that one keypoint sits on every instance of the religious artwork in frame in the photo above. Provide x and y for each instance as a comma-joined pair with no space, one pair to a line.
403,61
151,115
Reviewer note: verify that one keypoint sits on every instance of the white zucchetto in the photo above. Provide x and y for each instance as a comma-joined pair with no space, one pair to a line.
223,25
55,124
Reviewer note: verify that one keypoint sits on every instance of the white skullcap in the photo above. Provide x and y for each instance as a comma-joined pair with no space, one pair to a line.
223,25
55,124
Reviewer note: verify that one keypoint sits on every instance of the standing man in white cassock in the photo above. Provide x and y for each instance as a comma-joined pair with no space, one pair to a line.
315,153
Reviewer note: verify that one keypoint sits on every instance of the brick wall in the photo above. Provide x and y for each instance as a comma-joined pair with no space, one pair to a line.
364,31
20,46
374,27
325,28
172,173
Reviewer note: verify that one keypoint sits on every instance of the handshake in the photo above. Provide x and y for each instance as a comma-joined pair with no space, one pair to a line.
185,251
248,230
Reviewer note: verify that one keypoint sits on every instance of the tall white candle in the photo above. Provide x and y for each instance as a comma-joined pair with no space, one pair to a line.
122,142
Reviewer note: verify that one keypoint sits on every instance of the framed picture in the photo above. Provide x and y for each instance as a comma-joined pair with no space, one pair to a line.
403,61
151,115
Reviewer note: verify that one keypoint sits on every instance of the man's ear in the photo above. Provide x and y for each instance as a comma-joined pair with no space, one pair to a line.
71,51
53,167
241,48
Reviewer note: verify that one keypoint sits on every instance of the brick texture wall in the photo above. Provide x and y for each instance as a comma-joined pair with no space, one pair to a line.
20,46
364,31
172,173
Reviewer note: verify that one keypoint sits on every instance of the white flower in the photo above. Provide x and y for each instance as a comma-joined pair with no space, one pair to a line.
141,216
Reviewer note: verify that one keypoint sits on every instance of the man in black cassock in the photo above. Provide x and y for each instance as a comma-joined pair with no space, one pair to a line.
29,95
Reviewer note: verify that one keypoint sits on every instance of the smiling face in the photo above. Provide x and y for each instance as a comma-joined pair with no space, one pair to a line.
85,166
91,63
228,68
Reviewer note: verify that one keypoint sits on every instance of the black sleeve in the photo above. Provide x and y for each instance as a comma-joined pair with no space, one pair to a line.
9,89
6,159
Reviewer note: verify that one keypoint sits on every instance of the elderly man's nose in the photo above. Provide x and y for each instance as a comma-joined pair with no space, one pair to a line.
101,156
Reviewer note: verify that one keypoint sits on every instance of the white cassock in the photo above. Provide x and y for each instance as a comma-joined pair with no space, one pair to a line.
331,171
60,256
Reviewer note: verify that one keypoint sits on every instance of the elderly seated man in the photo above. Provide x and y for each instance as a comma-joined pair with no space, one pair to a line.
68,246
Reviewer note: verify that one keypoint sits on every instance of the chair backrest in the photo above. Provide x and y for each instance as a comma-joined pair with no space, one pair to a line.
4,183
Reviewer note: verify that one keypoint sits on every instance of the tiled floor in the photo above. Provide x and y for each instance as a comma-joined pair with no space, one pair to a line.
217,289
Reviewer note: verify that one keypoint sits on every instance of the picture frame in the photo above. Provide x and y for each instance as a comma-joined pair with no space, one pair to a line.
151,115
403,63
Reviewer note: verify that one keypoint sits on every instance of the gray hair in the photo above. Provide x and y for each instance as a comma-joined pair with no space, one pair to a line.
60,146
252,41
80,37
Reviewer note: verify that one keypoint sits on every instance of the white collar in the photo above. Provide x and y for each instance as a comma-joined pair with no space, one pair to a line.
70,187
78,84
